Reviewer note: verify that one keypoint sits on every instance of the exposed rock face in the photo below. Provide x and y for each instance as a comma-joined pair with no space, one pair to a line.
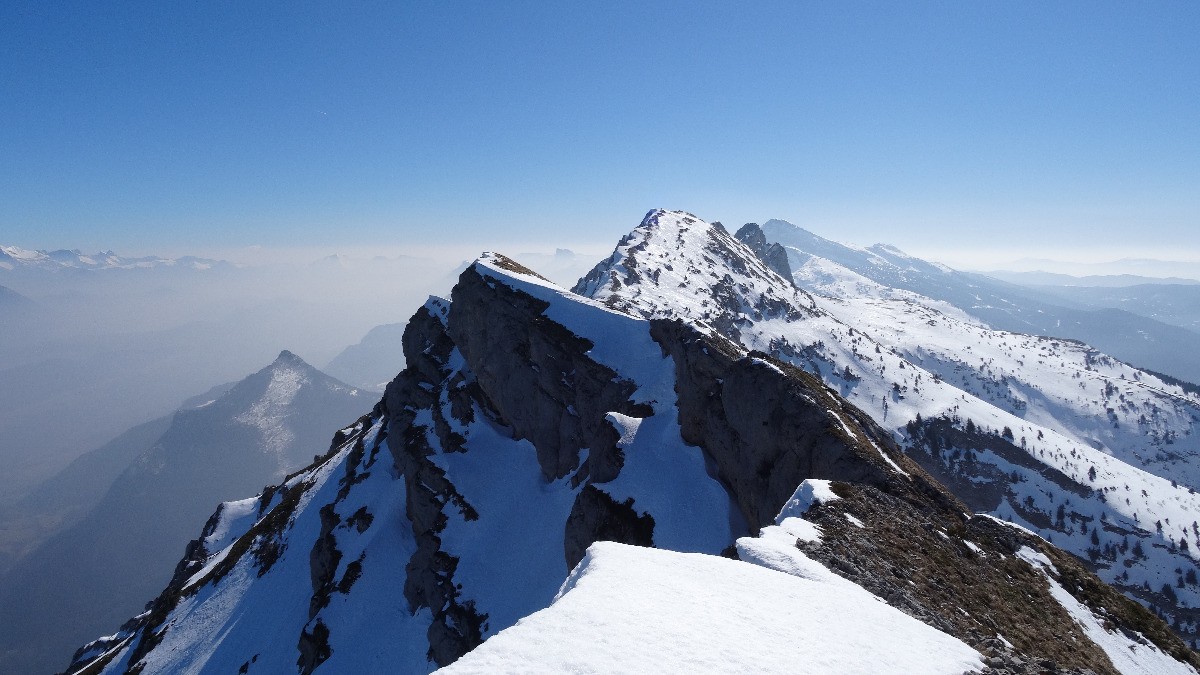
429,573
767,430
774,255
597,517
538,377
533,376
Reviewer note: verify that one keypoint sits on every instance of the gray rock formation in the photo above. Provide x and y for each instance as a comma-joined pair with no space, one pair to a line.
537,376
774,255
768,425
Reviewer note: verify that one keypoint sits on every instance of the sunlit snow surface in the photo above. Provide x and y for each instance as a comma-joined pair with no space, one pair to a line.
636,610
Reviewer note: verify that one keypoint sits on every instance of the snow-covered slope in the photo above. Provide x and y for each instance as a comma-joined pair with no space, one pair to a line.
530,423
1145,342
1018,426
1060,384
122,549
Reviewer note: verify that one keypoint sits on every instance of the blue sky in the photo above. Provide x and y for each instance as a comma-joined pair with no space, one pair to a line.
1029,128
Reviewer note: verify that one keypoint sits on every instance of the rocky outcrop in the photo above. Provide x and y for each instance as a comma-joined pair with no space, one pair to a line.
537,376
774,255
533,377
596,516
429,574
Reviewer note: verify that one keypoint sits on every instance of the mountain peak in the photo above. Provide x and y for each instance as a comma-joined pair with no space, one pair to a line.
530,423
675,265
669,218
288,358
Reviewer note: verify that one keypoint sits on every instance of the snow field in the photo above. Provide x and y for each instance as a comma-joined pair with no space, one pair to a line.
637,610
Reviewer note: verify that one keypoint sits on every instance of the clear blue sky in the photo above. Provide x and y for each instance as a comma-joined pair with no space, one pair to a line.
160,126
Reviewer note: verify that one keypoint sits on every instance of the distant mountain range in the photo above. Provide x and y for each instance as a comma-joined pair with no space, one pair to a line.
1147,267
13,258
1092,280
1176,304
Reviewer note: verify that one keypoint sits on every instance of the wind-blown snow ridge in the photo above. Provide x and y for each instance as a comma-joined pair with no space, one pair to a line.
662,611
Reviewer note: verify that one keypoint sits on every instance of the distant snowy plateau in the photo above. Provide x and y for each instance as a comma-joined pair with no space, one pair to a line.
719,452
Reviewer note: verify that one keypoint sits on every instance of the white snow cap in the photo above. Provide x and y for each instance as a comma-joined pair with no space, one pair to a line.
810,492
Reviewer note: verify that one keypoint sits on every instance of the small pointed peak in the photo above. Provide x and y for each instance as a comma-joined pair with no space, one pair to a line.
752,235
288,358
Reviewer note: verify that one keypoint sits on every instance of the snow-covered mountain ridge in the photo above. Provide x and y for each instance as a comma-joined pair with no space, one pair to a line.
531,423
16,258
1036,442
